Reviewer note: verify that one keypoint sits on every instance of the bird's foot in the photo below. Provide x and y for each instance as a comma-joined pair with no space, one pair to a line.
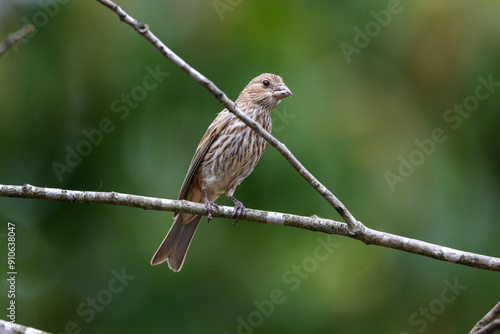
209,205
239,209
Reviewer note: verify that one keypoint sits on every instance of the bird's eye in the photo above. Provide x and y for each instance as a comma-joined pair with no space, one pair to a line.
265,83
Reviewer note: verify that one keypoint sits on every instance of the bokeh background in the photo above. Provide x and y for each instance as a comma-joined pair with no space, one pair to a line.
361,101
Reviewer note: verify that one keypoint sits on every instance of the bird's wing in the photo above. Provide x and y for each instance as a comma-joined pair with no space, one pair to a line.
212,133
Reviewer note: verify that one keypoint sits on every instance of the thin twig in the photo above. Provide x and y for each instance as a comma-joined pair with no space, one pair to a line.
15,37
313,223
490,328
7,327
487,319
143,29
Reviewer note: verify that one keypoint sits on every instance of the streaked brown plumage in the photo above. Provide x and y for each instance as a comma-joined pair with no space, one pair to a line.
226,155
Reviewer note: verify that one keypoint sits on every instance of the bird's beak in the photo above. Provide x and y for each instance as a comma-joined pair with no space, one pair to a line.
281,91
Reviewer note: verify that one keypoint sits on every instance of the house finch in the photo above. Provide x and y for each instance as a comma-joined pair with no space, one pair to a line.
226,155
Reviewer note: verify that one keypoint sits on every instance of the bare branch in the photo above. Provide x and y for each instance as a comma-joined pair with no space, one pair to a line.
160,204
490,328
487,320
314,223
7,327
143,29
14,37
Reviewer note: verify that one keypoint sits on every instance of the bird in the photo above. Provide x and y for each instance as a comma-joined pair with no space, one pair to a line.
226,155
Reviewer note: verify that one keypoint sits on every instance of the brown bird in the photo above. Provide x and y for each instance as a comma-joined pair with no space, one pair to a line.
226,155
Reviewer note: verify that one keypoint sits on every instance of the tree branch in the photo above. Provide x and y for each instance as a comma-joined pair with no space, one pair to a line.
486,324
159,204
490,328
143,29
14,37
314,223
7,327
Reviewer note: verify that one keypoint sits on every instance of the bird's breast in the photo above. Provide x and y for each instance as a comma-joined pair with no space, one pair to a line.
232,156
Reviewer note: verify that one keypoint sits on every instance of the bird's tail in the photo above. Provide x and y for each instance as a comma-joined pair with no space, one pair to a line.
176,244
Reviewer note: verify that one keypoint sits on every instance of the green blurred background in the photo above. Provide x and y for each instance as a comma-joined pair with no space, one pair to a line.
354,116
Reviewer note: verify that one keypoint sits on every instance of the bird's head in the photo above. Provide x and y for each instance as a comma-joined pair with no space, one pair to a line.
266,90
